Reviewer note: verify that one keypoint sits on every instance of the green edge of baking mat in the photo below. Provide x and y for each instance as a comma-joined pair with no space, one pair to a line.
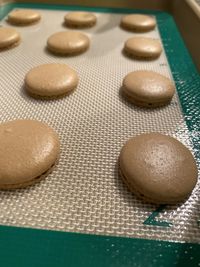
25,247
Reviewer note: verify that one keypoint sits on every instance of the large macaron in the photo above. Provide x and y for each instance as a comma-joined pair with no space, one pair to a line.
138,22
9,38
148,89
29,150
68,43
158,168
80,19
51,80
143,47
24,17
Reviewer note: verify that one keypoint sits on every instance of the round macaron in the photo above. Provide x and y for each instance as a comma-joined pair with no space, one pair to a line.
158,168
23,17
68,43
80,19
51,80
29,150
143,47
138,22
148,89
9,38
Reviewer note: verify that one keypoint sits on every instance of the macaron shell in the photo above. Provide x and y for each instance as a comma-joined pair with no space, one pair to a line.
51,80
68,42
159,167
148,88
29,182
138,22
9,37
29,148
80,19
143,47
24,17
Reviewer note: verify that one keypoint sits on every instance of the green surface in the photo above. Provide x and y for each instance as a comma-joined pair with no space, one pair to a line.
29,247
151,220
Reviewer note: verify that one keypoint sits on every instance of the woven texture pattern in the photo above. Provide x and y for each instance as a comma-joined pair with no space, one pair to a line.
85,193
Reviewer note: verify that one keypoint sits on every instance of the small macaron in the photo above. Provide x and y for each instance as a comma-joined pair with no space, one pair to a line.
80,19
9,38
143,47
148,89
68,43
29,150
158,168
138,22
51,80
24,17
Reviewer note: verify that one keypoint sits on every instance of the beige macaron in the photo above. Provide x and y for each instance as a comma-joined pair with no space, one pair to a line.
51,80
138,22
24,17
9,38
80,19
143,47
68,43
148,89
158,168
29,150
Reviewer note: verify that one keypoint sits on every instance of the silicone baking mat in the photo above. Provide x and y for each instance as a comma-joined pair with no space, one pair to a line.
85,194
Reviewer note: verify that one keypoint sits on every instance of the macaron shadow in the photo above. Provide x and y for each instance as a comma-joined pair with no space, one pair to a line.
129,30
125,100
22,25
4,49
136,58
58,55
31,97
31,186
73,27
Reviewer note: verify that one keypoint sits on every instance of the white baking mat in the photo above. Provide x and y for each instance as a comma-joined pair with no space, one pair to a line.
85,193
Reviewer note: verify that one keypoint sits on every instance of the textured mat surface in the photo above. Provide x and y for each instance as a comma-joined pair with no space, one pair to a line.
85,193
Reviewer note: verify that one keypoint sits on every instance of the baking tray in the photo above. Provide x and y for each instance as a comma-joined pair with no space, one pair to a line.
85,194
180,10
